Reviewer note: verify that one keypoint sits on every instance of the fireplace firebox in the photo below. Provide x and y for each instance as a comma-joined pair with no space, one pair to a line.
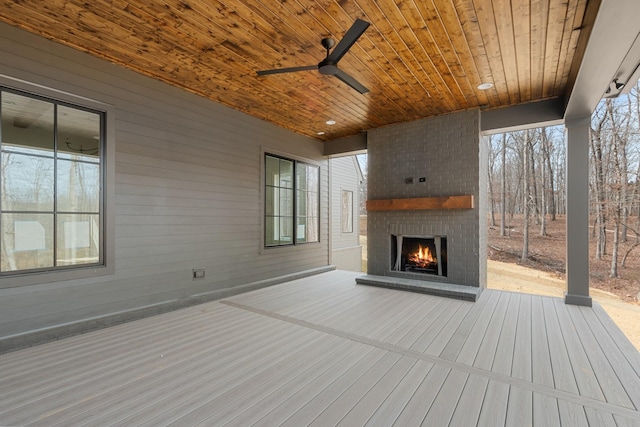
419,254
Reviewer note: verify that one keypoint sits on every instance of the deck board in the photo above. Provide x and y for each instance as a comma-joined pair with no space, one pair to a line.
612,389
545,411
480,312
469,406
541,370
375,397
520,409
486,352
494,408
521,367
572,414
388,411
349,398
313,407
503,360
422,400
585,378
559,358
325,351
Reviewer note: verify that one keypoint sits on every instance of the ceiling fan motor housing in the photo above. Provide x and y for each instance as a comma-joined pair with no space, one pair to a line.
327,67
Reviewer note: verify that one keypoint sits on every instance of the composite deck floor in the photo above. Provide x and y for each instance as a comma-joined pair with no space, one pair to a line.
324,351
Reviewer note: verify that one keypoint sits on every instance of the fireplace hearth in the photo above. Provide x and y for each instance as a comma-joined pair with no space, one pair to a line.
419,254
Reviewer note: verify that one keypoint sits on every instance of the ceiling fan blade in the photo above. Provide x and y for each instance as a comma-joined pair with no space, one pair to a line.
350,37
287,70
351,81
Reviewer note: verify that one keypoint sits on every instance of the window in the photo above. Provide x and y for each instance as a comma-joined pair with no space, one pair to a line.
347,211
51,184
292,208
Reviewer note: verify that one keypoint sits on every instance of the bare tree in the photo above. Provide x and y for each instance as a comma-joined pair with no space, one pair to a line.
547,148
525,198
598,186
503,185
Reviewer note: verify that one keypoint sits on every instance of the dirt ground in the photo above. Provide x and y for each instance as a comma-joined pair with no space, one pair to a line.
548,254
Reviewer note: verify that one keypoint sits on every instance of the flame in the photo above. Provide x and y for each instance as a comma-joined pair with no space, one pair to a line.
422,258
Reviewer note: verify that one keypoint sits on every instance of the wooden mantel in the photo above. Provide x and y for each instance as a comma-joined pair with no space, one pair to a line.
422,203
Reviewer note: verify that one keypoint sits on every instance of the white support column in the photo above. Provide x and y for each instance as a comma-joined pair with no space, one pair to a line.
577,256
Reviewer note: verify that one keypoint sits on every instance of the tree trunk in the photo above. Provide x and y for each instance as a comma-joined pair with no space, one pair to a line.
525,199
546,146
619,182
597,164
533,185
543,207
503,185
613,273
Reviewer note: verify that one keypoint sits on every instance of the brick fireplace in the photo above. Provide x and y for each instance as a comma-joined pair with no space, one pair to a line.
410,166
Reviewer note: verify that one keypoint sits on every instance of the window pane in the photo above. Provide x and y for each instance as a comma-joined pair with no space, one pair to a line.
312,229
78,134
301,232
313,181
269,231
272,197
286,173
286,230
286,202
27,241
78,186
272,171
27,183
27,124
312,204
302,203
301,176
278,231
78,239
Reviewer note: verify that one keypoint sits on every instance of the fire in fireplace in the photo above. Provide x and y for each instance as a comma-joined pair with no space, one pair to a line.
419,254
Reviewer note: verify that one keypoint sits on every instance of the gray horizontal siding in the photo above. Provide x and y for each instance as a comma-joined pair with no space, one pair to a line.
345,247
344,176
187,192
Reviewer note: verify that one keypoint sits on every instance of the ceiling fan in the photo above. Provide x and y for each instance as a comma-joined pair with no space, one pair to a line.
329,65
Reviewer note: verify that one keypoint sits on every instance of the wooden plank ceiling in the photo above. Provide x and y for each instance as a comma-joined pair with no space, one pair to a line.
418,58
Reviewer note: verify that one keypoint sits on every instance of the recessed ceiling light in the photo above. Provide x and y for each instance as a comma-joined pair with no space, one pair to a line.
330,122
485,86
320,133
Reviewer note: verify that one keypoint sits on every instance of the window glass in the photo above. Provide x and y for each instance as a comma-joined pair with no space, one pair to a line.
272,167
78,239
27,124
279,202
308,186
286,173
27,241
78,134
27,182
78,186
